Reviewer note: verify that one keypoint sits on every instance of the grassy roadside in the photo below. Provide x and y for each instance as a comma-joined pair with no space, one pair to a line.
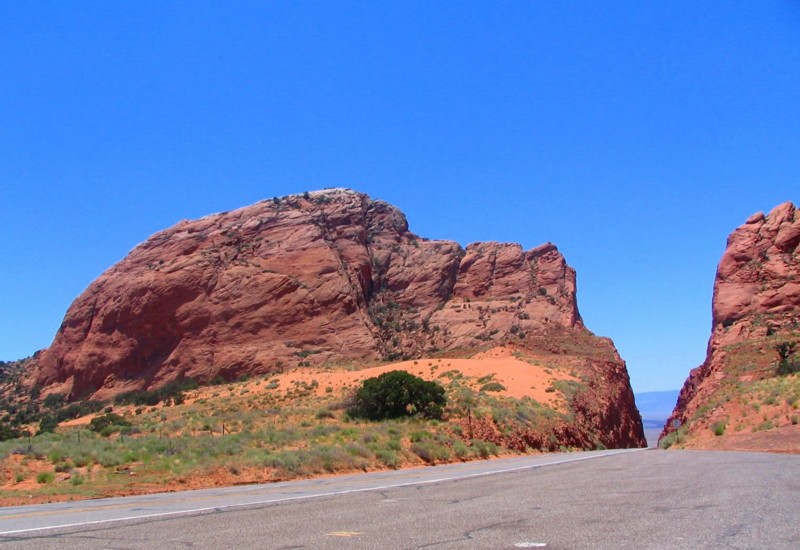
752,402
265,430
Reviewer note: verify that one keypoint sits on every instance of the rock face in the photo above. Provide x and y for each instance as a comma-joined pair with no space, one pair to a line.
756,307
324,277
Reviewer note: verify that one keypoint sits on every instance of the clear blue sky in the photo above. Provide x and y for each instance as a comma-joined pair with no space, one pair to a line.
634,135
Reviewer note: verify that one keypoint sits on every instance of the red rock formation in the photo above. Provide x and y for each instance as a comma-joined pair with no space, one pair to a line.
327,276
755,304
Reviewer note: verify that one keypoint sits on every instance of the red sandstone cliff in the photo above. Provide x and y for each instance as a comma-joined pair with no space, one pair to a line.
756,307
323,277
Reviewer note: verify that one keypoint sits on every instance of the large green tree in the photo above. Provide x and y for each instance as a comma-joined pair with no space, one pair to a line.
398,393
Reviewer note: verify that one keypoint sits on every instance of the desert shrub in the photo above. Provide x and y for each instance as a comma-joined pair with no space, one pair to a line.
76,410
107,431
113,421
786,364
319,459
718,428
398,393
63,467
284,460
484,449
357,449
672,438
19,414
56,455
788,367
8,432
47,424
110,457
388,457
168,393
766,425
416,436
493,386
569,388
460,449
54,401
668,441
430,451
45,477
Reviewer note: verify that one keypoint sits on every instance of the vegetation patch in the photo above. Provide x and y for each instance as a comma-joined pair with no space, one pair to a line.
278,427
788,363
108,423
398,393
171,393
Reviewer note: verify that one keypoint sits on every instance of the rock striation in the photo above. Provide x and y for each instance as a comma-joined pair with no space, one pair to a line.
320,278
756,306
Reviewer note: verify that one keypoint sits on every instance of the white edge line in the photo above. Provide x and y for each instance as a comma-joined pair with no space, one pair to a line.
318,495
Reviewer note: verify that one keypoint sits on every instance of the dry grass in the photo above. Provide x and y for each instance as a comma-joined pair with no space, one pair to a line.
288,426
751,407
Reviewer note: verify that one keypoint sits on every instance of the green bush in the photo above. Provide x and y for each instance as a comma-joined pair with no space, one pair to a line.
398,393
484,449
170,393
673,438
460,449
47,424
325,413
430,451
388,457
8,432
76,410
786,365
493,386
45,477
419,436
54,401
108,423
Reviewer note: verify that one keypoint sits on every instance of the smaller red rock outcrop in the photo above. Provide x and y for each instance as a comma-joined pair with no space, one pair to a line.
756,305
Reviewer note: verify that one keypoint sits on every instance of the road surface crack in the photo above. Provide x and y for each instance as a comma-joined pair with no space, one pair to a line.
470,535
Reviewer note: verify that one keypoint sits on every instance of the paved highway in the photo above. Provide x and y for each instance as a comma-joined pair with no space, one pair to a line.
635,499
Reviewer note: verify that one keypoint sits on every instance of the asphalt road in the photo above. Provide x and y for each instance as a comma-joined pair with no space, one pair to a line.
642,499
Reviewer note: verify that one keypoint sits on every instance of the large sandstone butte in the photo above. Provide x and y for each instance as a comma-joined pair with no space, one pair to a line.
320,278
737,399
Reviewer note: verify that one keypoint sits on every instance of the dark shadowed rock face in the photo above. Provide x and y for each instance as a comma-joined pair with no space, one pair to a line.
755,306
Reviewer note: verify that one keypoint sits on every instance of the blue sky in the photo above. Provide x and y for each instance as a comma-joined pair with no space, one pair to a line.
634,135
